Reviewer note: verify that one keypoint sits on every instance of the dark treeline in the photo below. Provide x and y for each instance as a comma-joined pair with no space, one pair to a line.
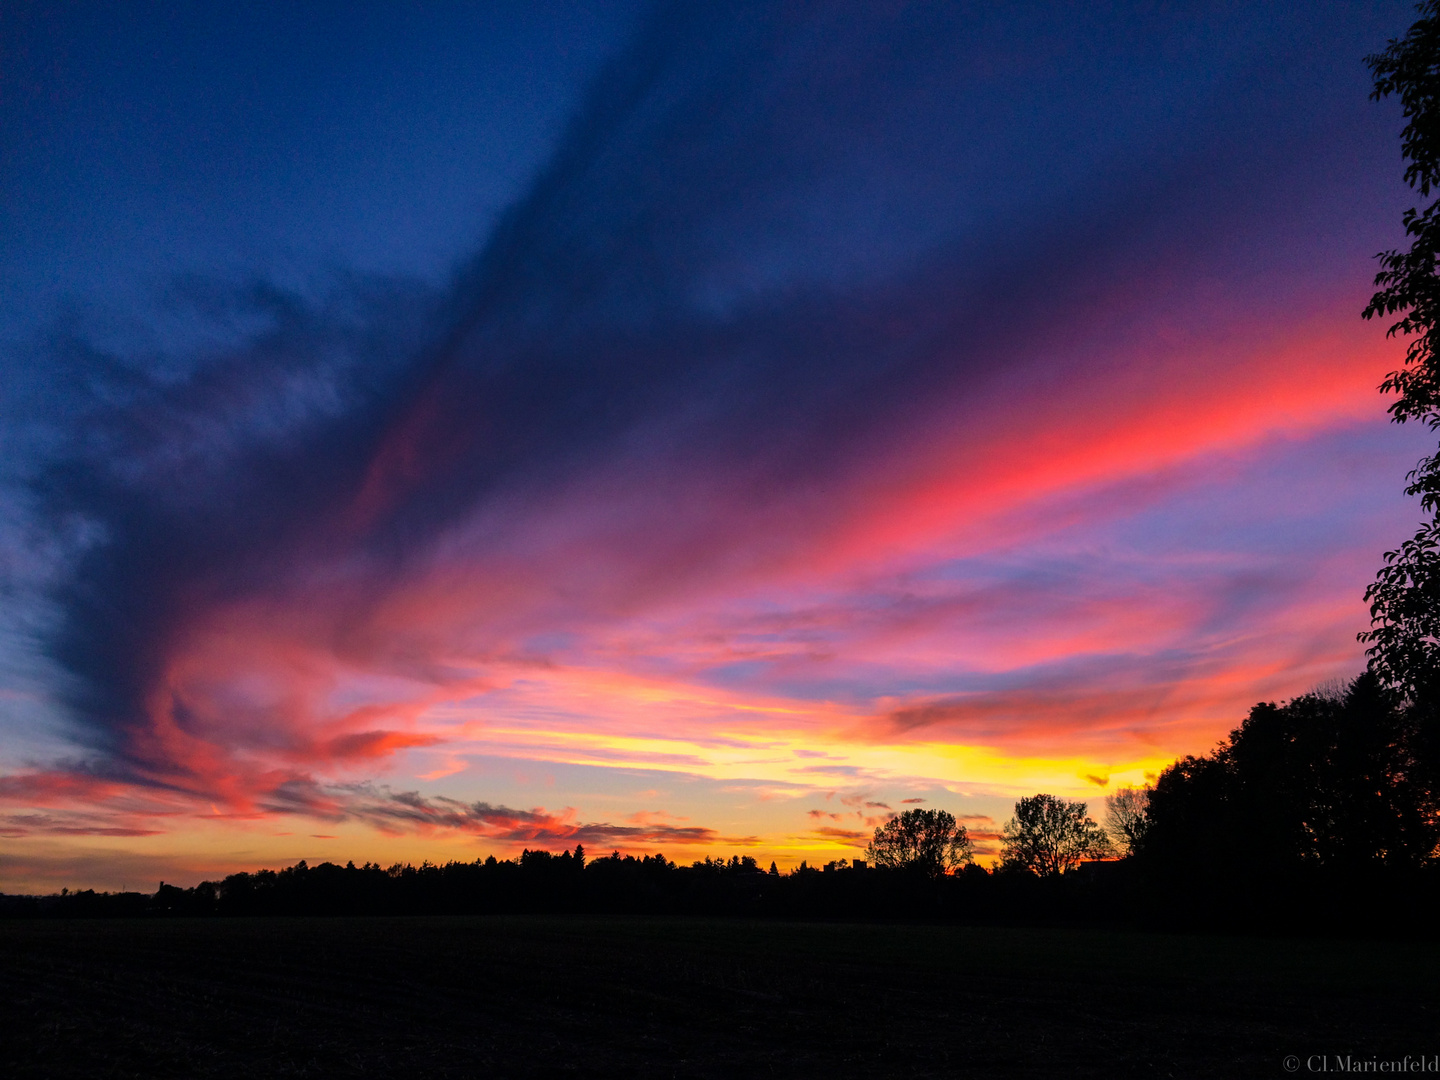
1118,892
1324,808
1318,815
541,882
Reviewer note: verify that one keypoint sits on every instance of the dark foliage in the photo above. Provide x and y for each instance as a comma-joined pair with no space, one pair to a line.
927,842
1051,836
1318,808
541,882
1126,818
1324,782
1405,596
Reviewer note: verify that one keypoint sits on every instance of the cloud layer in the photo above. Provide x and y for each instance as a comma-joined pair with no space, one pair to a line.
971,397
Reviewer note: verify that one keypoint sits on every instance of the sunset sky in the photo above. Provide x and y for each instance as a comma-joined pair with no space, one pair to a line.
435,430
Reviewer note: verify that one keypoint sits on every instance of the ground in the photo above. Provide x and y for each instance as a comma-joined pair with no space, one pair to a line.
633,997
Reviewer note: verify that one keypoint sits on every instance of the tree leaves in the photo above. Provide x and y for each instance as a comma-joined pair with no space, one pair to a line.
929,842
1404,599
1049,836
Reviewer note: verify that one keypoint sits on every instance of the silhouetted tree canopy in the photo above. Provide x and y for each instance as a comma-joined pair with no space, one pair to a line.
1049,836
1327,781
1125,818
1405,596
929,842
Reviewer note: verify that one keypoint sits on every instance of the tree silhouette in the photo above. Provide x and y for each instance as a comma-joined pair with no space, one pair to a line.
1049,836
1126,819
1405,595
929,842
1326,781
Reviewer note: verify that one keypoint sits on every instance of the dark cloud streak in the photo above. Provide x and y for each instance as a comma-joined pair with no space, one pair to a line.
409,811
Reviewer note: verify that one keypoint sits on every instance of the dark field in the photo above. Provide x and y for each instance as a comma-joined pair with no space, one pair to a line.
568,996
